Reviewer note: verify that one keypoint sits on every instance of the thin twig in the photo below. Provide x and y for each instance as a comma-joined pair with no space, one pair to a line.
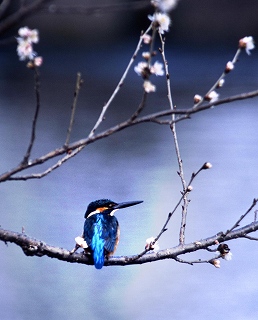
120,83
35,119
242,217
251,238
78,85
192,262
140,107
179,159
187,190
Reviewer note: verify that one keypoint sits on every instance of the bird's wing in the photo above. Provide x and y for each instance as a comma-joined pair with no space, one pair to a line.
108,230
112,235
89,230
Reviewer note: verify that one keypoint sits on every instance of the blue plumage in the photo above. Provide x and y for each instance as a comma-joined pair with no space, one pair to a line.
97,244
101,232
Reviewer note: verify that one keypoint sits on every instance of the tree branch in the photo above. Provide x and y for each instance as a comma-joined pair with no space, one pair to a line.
34,247
80,144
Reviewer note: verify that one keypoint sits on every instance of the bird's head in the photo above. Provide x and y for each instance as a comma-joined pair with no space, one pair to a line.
107,206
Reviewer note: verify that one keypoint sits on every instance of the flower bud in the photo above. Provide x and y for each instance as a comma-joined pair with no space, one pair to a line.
229,66
220,83
146,55
216,263
189,188
197,98
212,96
207,165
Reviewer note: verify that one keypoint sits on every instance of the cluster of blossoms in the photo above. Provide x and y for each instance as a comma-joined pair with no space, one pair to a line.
142,69
161,22
145,70
160,19
26,39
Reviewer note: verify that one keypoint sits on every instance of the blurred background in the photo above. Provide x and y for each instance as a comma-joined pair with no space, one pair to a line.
98,39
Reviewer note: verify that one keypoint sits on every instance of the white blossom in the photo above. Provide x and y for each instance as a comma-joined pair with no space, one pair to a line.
150,245
207,165
148,86
162,20
229,66
38,61
146,38
212,96
29,35
146,55
157,69
26,39
197,98
141,66
227,256
247,43
216,263
81,242
25,50
189,188
164,5
221,83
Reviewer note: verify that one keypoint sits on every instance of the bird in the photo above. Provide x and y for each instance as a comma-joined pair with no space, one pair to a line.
101,229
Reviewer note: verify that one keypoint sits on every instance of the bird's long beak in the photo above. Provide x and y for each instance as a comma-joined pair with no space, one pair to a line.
126,204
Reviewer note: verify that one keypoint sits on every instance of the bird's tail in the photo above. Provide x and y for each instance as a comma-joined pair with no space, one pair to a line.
98,248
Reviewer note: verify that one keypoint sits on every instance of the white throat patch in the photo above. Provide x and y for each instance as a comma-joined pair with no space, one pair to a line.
99,211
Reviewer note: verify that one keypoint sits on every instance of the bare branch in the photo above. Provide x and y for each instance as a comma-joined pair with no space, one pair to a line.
243,216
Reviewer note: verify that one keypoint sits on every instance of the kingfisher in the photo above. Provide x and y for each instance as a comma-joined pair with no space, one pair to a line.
101,228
